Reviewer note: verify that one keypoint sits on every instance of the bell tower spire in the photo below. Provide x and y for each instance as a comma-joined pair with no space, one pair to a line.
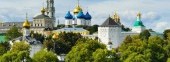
50,9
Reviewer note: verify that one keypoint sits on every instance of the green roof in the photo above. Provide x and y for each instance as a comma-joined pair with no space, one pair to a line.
2,38
138,22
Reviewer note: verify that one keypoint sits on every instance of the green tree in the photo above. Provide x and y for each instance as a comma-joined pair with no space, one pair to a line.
12,33
45,56
65,42
104,55
168,60
151,50
165,33
83,50
19,52
20,46
49,44
16,56
38,37
4,47
144,35
92,29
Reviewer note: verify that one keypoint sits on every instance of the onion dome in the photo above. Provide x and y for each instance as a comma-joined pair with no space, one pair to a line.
77,9
138,21
68,15
55,36
26,24
43,10
88,16
80,15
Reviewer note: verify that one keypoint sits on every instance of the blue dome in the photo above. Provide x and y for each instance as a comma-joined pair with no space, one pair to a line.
88,16
80,15
68,15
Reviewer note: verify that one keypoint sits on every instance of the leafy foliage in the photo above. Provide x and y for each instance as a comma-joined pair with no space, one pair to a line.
20,46
143,51
12,33
83,51
165,33
18,53
45,56
4,47
38,36
104,55
63,44
144,35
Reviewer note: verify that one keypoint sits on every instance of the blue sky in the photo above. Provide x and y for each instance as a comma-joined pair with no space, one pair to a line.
155,13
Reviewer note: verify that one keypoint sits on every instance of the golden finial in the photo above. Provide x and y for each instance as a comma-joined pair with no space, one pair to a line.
77,9
139,15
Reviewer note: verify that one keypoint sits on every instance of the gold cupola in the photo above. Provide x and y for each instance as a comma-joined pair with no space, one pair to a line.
77,9
43,10
26,24
116,17
55,36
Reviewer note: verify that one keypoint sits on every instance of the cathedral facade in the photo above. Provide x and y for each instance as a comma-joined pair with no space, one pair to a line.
77,17
40,22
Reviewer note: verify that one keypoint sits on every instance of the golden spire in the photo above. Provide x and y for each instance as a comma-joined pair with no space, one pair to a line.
26,24
139,15
77,9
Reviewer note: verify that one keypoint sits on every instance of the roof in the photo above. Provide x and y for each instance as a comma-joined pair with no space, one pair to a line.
138,22
2,38
80,15
110,23
68,15
41,16
88,16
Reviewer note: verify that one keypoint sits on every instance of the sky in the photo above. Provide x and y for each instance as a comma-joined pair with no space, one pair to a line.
155,13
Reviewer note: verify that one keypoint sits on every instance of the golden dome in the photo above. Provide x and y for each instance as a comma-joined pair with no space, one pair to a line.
55,36
43,10
115,16
77,9
26,24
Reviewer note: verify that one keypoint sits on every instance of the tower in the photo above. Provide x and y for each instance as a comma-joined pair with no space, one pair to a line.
26,27
51,10
138,25
109,32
